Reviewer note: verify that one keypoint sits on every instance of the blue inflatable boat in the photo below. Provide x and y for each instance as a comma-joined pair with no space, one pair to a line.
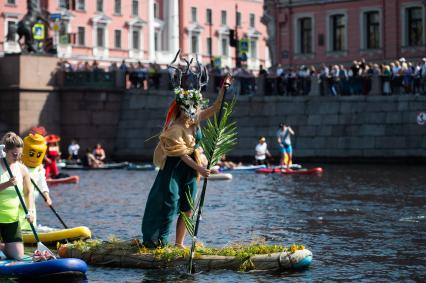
56,268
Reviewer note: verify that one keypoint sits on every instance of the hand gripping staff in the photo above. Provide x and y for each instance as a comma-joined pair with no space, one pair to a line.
40,246
203,191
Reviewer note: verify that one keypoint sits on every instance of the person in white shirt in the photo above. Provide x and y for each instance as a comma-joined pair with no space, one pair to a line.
261,152
73,149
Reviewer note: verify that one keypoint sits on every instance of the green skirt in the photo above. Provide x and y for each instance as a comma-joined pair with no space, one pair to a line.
168,196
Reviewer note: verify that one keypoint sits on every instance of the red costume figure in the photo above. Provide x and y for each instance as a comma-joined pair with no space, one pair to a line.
52,154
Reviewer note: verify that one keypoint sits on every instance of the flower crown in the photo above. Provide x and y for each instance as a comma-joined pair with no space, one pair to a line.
184,97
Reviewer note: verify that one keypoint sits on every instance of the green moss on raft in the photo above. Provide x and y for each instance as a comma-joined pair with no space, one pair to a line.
170,253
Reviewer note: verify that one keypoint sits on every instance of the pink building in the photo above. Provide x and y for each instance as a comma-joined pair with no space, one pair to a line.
145,30
205,28
339,31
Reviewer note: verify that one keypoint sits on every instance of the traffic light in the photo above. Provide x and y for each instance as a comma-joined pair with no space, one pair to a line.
232,41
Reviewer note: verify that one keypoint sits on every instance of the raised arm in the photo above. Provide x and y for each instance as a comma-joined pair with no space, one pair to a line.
207,113
290,130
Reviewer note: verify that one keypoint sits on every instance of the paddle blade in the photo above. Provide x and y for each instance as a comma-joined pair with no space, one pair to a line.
43,249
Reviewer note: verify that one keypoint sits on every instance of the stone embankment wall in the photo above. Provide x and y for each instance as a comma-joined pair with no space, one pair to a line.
326,127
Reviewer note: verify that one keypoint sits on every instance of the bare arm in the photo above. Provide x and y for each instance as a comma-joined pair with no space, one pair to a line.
207,113
291,130
191,163
10,183
28,190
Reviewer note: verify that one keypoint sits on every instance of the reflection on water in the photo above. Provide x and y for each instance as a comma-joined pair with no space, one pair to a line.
362,222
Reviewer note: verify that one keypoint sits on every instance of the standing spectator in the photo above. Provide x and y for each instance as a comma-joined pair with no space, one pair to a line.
386,79
423,76
407,76
262,72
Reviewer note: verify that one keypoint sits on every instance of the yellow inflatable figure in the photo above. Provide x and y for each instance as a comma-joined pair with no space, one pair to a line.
33,154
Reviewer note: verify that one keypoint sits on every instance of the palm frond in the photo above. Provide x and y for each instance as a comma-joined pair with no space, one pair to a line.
189,221
219,137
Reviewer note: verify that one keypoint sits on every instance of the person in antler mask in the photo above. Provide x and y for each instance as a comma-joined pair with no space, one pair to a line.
177,155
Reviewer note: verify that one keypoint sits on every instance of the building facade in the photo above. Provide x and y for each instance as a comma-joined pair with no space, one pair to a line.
340,31
145,30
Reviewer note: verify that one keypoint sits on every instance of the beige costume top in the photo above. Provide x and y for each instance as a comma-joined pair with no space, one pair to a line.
175,141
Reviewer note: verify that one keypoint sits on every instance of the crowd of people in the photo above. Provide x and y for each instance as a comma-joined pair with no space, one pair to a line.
397,77
137,75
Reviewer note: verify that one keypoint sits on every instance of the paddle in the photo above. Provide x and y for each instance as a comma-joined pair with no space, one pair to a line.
40,246
203,191
51,207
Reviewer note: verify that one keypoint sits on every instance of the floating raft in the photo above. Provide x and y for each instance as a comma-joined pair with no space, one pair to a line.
108,255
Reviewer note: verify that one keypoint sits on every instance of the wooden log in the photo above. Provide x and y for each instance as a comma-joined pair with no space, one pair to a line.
116,258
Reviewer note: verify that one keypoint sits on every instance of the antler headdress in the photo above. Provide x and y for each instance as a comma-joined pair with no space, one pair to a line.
187,85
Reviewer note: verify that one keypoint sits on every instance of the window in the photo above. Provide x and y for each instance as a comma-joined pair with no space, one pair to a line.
11,28
252,20
99,5
117,7
209,19
156,15
100,37
194,14
194,44
305,27
372,33
337,32
224,47
63,4
156,41
238,19
414,26
253,48
117,38
11,2
81,36
136,39
135,8
223,18
209,46
81,5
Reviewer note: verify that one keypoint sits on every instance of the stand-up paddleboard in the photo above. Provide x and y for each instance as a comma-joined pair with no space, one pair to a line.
55,268
244,168
66,180
141,167
105,166
277,169
303,171
58,235
220,176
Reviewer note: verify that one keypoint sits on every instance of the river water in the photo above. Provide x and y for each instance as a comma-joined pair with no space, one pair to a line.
362,222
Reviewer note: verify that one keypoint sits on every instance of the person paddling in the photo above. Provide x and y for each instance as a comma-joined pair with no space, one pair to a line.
177,156
10,229
283,137
32,157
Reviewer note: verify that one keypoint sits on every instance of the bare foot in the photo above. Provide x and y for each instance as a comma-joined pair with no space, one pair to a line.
180,246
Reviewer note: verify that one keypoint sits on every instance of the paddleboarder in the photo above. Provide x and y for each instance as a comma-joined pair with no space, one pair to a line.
32,157
283,137
10,229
